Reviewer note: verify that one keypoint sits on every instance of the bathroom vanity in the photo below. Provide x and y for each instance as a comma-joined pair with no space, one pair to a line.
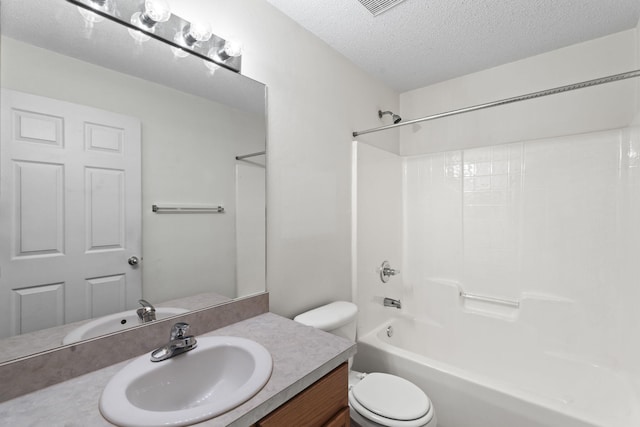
325,403
308,384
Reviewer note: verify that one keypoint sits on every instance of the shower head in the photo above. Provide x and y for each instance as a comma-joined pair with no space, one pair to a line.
396,118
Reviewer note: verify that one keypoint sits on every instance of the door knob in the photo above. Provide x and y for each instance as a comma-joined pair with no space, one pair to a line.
133,260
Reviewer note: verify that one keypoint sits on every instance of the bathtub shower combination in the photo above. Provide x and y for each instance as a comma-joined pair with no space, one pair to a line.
476,384
518,292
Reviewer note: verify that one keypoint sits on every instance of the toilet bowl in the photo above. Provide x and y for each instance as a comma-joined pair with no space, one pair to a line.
375,399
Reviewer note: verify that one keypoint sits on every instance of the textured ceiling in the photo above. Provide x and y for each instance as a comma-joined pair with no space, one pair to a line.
421,42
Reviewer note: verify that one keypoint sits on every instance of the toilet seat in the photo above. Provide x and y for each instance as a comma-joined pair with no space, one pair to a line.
391,401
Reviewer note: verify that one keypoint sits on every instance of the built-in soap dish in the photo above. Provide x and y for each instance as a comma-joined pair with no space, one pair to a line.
490,306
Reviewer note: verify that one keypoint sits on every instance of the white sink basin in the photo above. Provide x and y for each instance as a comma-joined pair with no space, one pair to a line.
215,377
114,323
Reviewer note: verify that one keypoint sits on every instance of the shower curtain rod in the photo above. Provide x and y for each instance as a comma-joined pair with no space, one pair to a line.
533,95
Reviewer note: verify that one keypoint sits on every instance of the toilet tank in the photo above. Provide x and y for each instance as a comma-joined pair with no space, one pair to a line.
338,318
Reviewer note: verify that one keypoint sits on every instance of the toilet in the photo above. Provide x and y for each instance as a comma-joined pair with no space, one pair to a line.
375,399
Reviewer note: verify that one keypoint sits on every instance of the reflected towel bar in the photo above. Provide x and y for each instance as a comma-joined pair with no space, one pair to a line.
259,153
187,209
507,302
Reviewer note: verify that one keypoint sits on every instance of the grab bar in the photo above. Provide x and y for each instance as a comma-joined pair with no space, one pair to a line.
187,209
501,301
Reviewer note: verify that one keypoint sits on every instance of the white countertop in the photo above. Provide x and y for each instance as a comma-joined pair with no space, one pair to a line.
301,355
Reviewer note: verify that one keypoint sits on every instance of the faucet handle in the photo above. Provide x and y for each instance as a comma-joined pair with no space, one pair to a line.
386,271
179,330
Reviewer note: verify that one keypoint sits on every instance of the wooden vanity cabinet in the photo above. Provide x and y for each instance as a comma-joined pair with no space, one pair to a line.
323,404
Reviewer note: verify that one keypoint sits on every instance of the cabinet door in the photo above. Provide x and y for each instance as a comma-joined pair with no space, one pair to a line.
342,419
316,406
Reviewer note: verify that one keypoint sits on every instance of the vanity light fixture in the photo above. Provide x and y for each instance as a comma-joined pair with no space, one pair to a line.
153,19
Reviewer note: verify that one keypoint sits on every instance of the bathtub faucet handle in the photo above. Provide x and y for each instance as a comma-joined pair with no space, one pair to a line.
390,271
386,271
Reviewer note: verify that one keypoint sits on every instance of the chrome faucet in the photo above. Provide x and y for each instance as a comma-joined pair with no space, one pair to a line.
388,302
147,312
179,342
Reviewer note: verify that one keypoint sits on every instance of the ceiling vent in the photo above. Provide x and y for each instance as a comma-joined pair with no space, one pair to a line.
376,7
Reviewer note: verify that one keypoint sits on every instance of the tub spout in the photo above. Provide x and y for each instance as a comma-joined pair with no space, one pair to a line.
388,302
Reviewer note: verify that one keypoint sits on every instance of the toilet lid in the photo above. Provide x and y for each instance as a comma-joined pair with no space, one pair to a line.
391,397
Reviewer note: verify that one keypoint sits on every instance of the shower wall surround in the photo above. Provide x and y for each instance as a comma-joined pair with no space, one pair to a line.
551,224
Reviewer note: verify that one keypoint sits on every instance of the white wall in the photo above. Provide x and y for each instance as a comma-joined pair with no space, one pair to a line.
598,108
184,154
637,106
317,98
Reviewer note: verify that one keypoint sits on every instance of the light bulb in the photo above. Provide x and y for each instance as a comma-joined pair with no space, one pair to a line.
154,11
230,49
157,10
138,36
180,41
192,34
214,54
136,19
198,32
211,66
233,48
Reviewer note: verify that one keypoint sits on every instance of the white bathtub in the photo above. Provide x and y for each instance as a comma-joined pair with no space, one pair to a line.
473,383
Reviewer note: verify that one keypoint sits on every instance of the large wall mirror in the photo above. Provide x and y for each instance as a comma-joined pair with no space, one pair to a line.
97,128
